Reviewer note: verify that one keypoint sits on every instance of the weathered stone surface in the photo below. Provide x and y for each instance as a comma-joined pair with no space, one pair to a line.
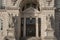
42,9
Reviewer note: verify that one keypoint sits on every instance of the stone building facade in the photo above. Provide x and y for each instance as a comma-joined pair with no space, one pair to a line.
29,19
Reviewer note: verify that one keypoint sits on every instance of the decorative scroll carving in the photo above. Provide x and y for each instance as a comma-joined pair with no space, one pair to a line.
11,23
11,29
48,21
49,31
49,1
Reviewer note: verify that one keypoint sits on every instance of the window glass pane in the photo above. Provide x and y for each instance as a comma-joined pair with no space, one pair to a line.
57,2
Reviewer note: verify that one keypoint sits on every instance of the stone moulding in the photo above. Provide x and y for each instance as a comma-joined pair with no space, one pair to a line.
2,10
50,38
48,8
12,8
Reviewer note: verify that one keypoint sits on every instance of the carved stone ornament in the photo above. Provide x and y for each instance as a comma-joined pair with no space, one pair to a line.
49,1
13,1
49,31
11,24
11,29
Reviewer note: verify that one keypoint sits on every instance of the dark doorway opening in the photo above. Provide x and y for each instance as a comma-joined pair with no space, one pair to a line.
30,27
39,27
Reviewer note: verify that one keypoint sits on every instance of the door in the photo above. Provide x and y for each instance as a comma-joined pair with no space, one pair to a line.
30,27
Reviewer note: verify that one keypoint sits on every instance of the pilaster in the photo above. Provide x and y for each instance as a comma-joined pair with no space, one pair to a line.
24,34
37,27
50,30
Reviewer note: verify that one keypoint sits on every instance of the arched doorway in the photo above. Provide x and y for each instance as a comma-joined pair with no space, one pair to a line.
30,25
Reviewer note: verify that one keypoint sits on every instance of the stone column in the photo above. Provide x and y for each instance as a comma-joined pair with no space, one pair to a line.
18,29
37,27
24,33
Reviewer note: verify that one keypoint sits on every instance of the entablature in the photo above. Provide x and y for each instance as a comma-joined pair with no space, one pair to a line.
31,10
48,8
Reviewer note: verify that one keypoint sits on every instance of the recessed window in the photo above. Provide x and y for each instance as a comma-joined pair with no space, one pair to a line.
28,5
39,26
1,5
30,27
33,5
23,8
1,25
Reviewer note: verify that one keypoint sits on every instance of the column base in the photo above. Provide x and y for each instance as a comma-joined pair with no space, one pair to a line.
31,38
50,38
9,38
10,34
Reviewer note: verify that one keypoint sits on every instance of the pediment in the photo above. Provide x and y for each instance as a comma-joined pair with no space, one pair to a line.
31,10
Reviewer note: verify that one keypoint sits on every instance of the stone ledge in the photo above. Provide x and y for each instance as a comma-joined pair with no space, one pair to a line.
50,38
2,10
48,8
12,8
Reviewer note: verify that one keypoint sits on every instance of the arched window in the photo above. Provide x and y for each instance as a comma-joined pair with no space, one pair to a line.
27,5
31,5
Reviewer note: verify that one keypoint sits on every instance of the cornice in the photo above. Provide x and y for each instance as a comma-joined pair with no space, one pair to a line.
2,10
48,8
12,8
